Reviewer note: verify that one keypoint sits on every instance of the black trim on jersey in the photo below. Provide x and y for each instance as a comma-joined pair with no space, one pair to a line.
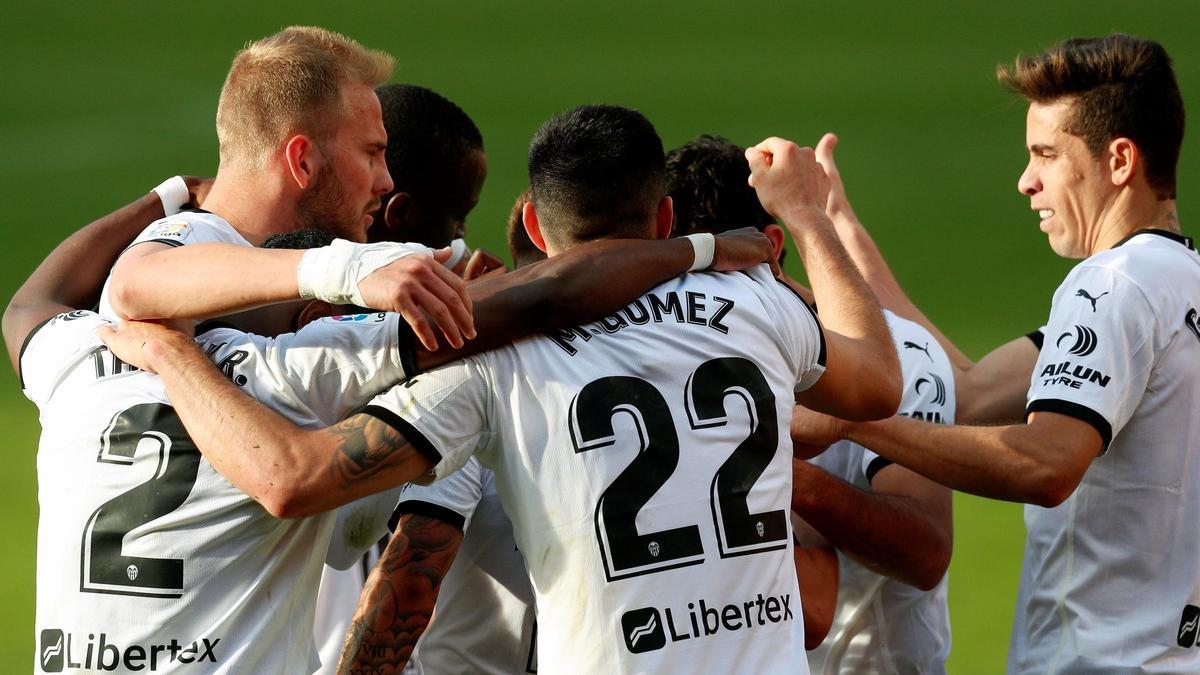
813,312
1173,236
1036,337
429,510
406,349
194,209
1076,410
25,343
409,432
173,243
875,466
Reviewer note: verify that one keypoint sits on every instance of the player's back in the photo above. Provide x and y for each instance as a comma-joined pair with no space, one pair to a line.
881,624
147,557
645,463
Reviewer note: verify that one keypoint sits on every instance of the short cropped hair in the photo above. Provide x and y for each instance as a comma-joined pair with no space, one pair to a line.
707,180
1122,86
596,171
290,82
520,246
428,136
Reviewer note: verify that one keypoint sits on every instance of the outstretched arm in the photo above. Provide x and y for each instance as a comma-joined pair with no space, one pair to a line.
72,275
585,283
862,378
397,602
902,528
991,391
1036,463
293,472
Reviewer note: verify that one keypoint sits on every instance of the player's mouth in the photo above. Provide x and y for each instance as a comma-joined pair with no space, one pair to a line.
1045,214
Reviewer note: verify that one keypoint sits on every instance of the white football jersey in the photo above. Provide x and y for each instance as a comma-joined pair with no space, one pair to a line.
147,557
484,621
644,460
882,625
193,226
1110,580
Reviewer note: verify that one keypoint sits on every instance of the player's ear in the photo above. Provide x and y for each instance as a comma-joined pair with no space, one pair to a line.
665,218
317,309
775,234
532,227
1123,156
397,211
303,160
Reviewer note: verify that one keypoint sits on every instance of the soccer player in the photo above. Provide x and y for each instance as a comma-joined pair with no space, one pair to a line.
1107,459
892,526
453,555
606,462
436,159
302,145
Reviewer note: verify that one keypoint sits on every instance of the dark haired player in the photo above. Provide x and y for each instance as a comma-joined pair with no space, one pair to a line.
892,526
597,463
1107,459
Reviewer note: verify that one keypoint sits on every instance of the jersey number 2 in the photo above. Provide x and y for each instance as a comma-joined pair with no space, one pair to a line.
625,551
104,568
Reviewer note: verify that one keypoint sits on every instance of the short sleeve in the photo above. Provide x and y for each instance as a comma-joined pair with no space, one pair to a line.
443,413
1098,351
801,334
452,500
53,347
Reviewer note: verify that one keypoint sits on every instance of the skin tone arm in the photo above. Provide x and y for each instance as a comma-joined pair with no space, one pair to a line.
902,528
817,576
862,378
238,278
1038,463
991,391
295,472
397,602
579,285
72,275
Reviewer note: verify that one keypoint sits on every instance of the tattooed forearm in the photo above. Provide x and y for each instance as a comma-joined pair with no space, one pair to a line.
365,445
397,602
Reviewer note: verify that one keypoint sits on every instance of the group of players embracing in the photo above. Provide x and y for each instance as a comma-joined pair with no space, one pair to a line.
641,451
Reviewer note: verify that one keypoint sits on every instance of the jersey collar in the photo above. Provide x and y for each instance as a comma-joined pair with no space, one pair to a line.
1173,236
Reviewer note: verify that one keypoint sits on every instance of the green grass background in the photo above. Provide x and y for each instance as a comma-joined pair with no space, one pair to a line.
102,100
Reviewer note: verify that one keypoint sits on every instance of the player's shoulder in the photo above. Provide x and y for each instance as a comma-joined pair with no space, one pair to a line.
191,226
54,347
69,330
1143,258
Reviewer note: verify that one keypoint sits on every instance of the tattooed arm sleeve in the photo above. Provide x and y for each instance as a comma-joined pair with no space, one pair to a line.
397,603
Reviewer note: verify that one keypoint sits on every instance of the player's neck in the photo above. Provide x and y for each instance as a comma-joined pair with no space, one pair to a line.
1133,211
252,203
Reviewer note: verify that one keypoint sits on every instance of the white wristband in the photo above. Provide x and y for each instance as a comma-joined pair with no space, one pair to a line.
705,246
173,193
458,252
332,273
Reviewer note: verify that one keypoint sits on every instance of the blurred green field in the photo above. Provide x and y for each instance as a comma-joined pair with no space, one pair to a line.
103,100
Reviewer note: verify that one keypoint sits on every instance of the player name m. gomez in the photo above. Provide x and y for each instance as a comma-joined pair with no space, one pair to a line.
58,651
694,308
647,629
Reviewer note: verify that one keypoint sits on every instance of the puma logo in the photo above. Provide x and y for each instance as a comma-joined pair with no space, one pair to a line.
1084,294
913,345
